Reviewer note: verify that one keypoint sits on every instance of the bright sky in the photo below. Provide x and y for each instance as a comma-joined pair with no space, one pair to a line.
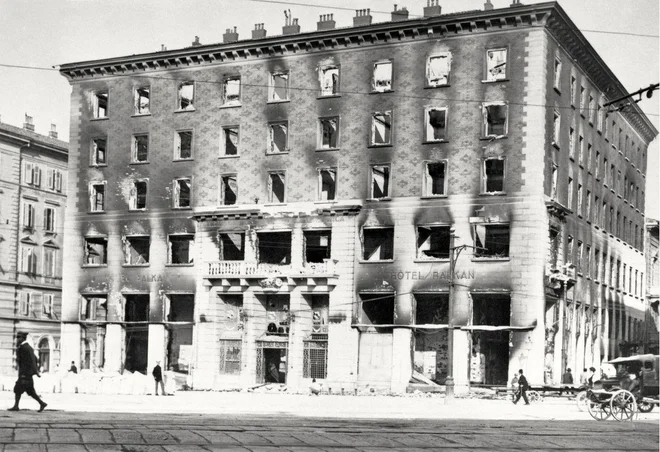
45,33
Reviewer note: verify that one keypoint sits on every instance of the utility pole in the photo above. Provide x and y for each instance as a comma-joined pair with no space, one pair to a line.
449,382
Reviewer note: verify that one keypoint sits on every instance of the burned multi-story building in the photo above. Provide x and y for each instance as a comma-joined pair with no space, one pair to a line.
33,170
285,208
652,321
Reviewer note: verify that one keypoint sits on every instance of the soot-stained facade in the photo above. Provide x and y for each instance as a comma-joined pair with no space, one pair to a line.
282,208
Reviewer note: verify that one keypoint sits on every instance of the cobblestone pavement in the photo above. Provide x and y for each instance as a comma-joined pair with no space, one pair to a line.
127,432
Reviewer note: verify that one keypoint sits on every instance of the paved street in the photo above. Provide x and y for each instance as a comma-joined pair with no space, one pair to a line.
268,422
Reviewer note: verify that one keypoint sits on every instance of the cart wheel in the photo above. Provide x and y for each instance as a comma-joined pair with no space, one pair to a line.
597,409
623,405
645,407
534,396
582,399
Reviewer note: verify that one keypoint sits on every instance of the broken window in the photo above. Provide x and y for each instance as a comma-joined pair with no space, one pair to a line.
96,250
136,308
380,182
274,247
50,263
278,137
230,137
579,200
435,178
583,99
573,86
378,244
329,133
317,245
231,246
557,74
136,250
555,241
279,86
49,219
433,242
29,214
180,249
140,148
182,193
491,240
553,181
377,308
556,128
438,68
231,91
381,128
28,260
435,124
228,189
382,76
186,96
327,184
592,109
97,196
496,65
569,195
100,104
99,151
495,119
142,100
329,80
138,195
571,143
493,175
183,145
93,307
276,187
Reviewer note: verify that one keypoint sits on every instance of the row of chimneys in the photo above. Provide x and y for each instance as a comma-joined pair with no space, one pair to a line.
326,21
29,125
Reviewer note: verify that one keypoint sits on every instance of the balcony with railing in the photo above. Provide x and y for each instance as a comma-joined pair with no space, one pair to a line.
242,269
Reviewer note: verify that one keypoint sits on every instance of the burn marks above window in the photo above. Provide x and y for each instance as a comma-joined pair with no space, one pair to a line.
495,119
100,104
136,250
382,78
491,240
98,151
377,243
97,196
327,182
278,87
180,249
438,68
231,246
138,195
493,175
278,137
435,178
182,193
328,137
435,124
95,251
433,242
274,247
329,80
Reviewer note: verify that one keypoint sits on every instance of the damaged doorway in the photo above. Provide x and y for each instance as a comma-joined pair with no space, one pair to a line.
489,356
136,318
180,322
271,362
430,354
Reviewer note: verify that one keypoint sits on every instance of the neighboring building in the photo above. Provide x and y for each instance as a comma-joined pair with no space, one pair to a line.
652,320
33,171
282,208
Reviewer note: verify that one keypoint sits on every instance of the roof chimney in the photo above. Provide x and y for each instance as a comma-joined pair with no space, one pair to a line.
53,131
28,124
196,42
325,22
401,14
362,17
516,3
291,26
259,31
432,8
488,5
230,36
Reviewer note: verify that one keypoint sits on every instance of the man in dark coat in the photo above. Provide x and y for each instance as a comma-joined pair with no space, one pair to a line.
524,386
27,367
158,377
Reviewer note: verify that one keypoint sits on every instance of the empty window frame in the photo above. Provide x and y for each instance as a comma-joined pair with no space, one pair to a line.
377,243
186,96
571,143
583,99
381,128
96,250
142,100
491,240
329,80
231,246
136,308
569,193
276,187
557,74
49,219
438,68
278,87
140,148
99,151
29,215
183,144
328,133
382,79
435,123
228,189
231,91
97,196
278,137
229,140
93,307
592,109
100,104
136,250
435,178
573,87
377,308
556,128
29,262
180,249
553,181
327,181
433,242
182,188
274,247
379,183
138,195
317,245
496,64
495,119
50,261
493,175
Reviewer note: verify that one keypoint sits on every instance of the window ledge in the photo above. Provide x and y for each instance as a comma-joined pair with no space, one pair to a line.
95,212
383,91
387,198
328,96
496,81
137,210
139,163
270,204
135,265
384,261
431,260
181,208
447,85
434,197
189,159
187,110
555,145
105,118
279,153
94,265
494,193
230,156
557,90
493,137
190,264
139,115
372,146
599,131
490,259
283,101
98,165
435,141
224,106
327,149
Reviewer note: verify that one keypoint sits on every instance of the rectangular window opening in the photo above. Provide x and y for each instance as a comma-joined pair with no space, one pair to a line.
378,244
99,147
279,86
277,187
232,91
436,124
97,197
183,145
232,246
380,182
435,178
138,196
100,99
494,175
96,250
317,246
181,249
377,309
433,242
278,137
230,136
182,193
382,76
140,148
136,250
329,80
142,100
381,128
274,247
438,68
491,240
495,120
229,190
186,96
327,184
496,65
329,133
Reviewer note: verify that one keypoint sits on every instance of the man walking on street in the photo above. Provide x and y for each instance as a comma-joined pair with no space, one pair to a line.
27,367
524,386
158,377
